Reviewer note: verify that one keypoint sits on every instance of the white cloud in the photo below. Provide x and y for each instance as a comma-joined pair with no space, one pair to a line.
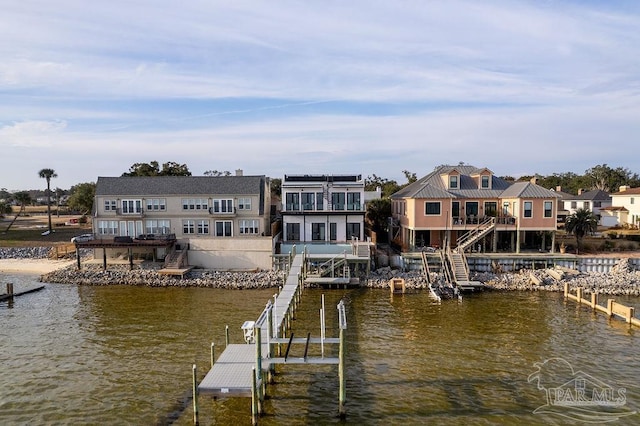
30,133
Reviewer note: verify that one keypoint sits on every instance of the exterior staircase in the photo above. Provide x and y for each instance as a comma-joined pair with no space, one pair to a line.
473,236
175,259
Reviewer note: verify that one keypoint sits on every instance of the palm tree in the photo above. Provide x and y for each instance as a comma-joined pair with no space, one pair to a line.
48,174
580,223
23,198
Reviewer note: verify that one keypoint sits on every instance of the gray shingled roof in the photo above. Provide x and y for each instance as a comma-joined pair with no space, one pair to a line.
180,185
594,195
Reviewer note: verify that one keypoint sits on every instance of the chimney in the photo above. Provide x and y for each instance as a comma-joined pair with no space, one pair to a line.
558,188
580,191
238,172
624,188
534,180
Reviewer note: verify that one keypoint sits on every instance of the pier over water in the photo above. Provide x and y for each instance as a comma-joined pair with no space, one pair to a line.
243,370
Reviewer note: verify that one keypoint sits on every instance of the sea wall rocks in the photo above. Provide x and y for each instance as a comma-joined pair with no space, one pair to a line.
621,280
147,275
24,252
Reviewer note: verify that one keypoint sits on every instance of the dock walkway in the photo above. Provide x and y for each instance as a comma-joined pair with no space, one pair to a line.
242,370
230,375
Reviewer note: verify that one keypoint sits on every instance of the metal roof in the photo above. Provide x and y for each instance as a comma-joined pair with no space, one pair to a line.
432,186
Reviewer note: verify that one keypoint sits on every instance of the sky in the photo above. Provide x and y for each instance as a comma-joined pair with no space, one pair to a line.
320,87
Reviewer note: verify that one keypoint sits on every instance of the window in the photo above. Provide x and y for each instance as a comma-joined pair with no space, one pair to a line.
156,204
453,182
307,200
528,209
574,204
292,201
485,182
195,204
353,231
432,208
319,201
188,226
585,205
490,208
223,228
223,206
631,201
157,227
597,204
131,206
353,201
203,227
337,199
455,209
333,231
293,232
471,208
317,232
108,227
248,226
110,205
548,209
505,208
244,203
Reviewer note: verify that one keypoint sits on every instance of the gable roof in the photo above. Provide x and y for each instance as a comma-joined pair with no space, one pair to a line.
180,185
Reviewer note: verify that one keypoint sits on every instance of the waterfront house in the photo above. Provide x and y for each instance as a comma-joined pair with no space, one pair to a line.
323,208
223,222
471,208
624,209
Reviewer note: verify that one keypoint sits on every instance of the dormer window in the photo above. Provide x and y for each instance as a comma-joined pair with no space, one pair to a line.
453,181
485,182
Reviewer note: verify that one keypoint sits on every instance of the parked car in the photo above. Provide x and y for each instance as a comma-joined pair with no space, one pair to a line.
82,238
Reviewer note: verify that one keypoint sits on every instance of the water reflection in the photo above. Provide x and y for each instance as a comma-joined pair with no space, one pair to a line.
123,355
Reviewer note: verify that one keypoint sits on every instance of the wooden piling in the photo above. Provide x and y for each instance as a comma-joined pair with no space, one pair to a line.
254,397
195,396
10,289
341,377
212,354
226,335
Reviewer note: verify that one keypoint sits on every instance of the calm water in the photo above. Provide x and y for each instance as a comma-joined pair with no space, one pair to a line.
123,355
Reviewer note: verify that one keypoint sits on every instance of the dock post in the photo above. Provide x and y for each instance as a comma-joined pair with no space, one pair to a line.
10,289
226,335
254,397
610,307
579,295
104,259
343,391
78,258
130,258
212,353
271,368
257,332
195,396
566,290
594,300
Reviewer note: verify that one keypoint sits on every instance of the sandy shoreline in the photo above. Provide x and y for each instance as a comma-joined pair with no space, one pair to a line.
32,266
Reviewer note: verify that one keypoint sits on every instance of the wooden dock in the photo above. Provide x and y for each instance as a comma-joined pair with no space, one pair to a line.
613,308
242,369
177,272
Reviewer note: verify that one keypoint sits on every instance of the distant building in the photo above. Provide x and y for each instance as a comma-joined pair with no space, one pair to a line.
593,201
624,209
